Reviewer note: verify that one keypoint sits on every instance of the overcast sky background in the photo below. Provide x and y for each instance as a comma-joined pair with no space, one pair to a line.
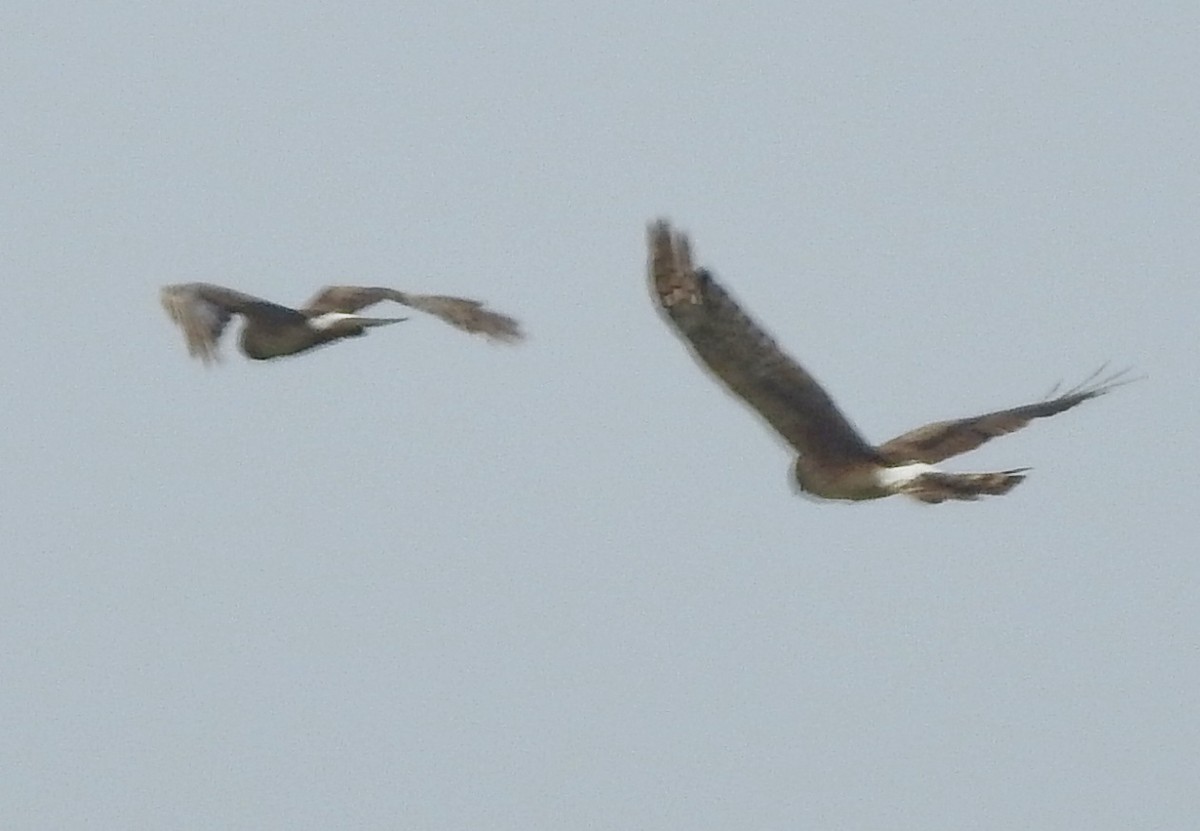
418,581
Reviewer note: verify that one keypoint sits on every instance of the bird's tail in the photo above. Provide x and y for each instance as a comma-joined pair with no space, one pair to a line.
343,324
933,488
378,321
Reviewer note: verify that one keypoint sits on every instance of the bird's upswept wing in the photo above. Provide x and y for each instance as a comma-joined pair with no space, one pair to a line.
943,439
203,310
745,358
468,315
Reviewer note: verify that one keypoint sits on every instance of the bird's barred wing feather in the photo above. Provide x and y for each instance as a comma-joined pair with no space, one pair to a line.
203,310
350,299
745,358
941,440
460,312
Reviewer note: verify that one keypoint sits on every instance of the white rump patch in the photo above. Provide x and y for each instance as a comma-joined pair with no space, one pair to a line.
893,477
328,319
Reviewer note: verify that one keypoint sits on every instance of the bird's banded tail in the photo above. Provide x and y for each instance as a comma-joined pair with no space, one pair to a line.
933,488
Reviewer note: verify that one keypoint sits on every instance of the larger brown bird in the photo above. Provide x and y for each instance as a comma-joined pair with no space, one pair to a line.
270,330
833,460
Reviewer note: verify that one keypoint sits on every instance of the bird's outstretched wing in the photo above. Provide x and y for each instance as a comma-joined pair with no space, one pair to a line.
745,358
202,311
468,315
941,440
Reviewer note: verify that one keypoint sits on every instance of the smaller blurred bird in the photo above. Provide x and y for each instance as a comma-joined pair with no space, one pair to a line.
203,310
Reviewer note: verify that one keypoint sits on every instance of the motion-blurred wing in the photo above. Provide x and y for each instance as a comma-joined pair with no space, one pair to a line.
468,315
202,311
941,440
745,358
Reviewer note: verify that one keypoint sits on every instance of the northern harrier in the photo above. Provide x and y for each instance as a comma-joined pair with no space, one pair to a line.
834,461
203,310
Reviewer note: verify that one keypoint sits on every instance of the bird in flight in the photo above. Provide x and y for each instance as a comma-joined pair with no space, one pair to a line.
203,310
833,460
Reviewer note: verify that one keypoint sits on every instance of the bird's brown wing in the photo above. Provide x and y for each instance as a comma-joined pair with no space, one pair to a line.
941,440
468,315
203,310
745,358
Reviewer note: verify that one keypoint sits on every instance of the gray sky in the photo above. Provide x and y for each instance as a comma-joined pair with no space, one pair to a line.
415,581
